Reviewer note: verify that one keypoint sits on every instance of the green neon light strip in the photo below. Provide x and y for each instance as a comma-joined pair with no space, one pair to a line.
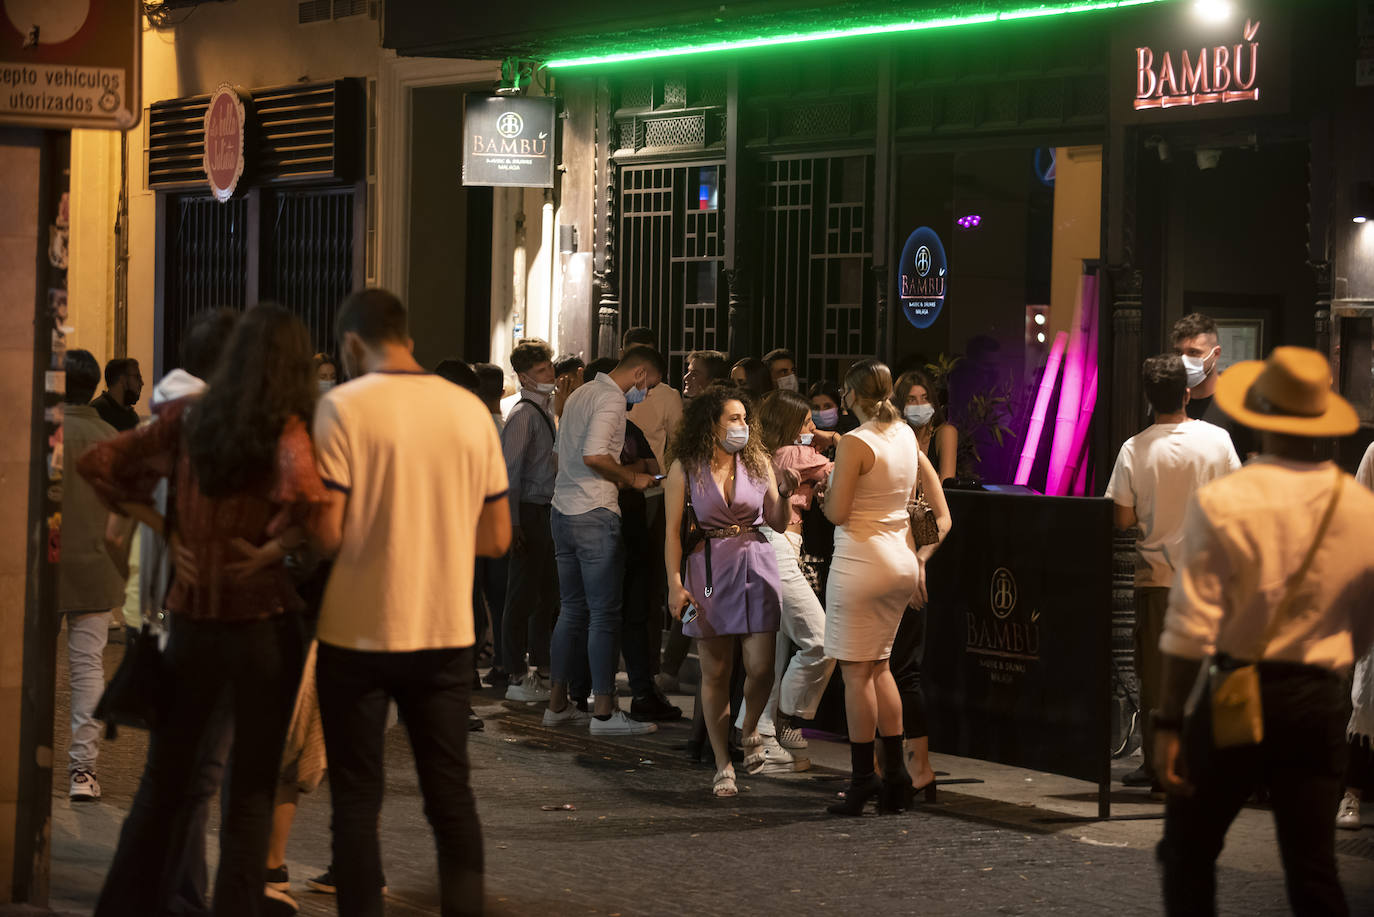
891,28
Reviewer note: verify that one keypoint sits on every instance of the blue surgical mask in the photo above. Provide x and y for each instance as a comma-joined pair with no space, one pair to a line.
635,395
736,438
826,418
806,438
918,415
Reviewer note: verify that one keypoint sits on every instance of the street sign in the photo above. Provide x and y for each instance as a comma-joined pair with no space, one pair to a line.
70,63
508,141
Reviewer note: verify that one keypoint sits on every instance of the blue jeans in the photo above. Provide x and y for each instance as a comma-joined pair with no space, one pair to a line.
591,569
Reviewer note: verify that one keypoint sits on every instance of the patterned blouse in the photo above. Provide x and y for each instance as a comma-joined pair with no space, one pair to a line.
126,469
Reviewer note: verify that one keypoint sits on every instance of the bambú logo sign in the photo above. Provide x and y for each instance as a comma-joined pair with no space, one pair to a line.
1221,73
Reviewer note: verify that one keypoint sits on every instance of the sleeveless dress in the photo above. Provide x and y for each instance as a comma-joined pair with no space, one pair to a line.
873,574
746,595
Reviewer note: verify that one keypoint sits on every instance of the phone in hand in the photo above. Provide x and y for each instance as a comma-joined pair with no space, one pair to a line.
659,477
689,614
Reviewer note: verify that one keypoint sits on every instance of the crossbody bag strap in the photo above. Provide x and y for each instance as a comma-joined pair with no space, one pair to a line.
542,416
1290,594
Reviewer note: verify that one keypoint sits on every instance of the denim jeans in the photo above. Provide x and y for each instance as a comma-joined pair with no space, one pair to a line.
432,689
590,570
259,663
87,634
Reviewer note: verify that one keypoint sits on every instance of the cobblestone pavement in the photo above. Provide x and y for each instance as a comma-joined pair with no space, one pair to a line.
647,838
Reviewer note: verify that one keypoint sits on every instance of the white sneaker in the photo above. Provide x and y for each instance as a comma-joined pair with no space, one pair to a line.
778,760
84,787
1348,815
531,689
791,737
621,725
568,716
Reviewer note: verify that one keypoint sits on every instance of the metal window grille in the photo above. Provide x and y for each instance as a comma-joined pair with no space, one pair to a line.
818,293
671,249
311,250
207,264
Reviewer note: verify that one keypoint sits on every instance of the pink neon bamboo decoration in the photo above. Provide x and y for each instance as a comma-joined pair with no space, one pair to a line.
1070,397
1076,452
1079,451
1042,407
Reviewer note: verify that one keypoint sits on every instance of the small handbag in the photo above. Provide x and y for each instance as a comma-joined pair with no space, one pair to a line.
135,694
924,529
1236,709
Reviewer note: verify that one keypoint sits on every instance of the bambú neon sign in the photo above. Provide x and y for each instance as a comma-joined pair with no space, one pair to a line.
1222,73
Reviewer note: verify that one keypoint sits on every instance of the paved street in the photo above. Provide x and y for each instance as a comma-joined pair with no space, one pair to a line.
646,838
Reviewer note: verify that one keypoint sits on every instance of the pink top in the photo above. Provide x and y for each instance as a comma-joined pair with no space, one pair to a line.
810,466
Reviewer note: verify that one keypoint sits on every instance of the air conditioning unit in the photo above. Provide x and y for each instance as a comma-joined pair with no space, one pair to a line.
309,11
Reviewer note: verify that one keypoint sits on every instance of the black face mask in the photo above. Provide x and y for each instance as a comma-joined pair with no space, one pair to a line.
130,398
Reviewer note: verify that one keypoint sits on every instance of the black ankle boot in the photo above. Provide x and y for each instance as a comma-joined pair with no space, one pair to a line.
863,783
897,793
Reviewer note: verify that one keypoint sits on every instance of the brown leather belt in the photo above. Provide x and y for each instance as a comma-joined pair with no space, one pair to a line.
730,531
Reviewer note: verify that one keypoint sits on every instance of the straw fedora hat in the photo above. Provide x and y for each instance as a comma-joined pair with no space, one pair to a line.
1288,393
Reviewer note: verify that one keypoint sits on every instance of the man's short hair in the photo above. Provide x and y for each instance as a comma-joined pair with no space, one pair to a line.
115,370
205,341
568,363
1190,326
597,367
529,354
459,373
491,381
83,376
1165,382
716,364
375,315
780,353
639,335
643,355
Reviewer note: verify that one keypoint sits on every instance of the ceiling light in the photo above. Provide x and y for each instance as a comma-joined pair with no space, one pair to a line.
971,221
1040,318
1213,10
1040,337
1361,219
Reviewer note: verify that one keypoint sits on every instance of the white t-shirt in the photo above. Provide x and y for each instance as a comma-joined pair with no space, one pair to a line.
593,423
1157,472
418,457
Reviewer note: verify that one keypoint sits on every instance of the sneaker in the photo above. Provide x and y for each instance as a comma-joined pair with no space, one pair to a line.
1139,777
621,725
496,678
84,787
778,760
790,736
570,715
1348,815
324,883
279,879
278,903
531,689
475,723
654,707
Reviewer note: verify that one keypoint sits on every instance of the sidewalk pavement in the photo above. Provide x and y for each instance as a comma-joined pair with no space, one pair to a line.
644,836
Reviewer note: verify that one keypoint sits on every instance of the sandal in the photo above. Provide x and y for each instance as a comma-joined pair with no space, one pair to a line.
723,784
754,754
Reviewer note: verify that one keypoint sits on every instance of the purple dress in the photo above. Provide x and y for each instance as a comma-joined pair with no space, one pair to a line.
746,597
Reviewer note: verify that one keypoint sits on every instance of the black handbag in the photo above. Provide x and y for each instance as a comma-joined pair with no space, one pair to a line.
134,695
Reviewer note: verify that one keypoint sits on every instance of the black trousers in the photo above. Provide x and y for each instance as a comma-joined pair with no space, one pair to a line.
259,664
645,589
1300,761
531,594
432,689
908,652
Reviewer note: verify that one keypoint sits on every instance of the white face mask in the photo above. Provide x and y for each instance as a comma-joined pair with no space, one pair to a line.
736,438
325,385
918,415
543,388
806,438
1197,370
788,383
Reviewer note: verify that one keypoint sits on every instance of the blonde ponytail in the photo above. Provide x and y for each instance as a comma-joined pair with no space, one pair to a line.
871,382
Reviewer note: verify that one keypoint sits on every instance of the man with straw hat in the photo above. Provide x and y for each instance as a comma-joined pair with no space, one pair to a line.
1277,570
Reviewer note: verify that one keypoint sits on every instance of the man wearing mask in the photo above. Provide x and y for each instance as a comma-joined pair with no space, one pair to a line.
588,545
658,415
1195,339
783,368
123,388
528,443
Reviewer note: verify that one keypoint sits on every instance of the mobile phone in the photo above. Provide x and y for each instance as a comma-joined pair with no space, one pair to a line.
659,477
689,614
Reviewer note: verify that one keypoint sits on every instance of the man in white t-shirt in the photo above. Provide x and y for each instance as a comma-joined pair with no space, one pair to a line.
419,489
1156,474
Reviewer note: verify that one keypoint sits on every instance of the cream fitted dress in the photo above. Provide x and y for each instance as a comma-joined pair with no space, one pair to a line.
873,574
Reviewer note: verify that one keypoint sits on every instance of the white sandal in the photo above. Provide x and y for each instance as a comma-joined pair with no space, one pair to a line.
723,784
755,755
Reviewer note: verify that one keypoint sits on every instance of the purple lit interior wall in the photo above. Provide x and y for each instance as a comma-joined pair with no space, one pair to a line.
1031,444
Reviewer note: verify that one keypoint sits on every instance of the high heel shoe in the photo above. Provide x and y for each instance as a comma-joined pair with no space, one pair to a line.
856,797
928,791
897,796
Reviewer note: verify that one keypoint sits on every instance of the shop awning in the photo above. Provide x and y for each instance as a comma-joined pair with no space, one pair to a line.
604,32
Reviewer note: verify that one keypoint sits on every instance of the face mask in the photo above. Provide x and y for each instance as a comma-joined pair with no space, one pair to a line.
806,438
130,399
788,383
543,388
736,438
918,415
826,418
635,395
1197,370
325,385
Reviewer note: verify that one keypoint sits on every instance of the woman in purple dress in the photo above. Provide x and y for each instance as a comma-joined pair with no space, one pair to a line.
728,585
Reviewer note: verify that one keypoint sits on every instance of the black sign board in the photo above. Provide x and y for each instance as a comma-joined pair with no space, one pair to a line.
1017,668
508,141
